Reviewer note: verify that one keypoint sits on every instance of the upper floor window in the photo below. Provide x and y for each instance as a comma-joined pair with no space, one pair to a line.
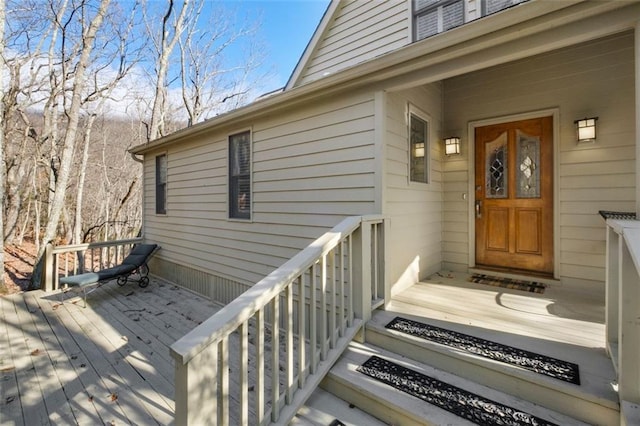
418,149
435,16
161,184
240,176
431,17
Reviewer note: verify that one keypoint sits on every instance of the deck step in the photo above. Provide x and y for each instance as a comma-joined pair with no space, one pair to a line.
326,409
350,380
593,400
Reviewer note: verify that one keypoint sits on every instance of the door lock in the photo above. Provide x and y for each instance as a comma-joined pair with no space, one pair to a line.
478,209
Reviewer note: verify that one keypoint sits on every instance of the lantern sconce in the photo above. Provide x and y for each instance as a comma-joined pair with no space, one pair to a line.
452,146
586,130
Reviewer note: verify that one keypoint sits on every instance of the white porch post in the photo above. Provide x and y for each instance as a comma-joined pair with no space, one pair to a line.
362,275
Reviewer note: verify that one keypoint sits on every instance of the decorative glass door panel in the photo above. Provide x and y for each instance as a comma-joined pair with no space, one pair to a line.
514,196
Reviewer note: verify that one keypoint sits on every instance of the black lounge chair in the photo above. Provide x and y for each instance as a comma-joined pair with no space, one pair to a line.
134,263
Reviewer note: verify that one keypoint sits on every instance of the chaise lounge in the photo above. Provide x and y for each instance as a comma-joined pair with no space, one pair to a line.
134,263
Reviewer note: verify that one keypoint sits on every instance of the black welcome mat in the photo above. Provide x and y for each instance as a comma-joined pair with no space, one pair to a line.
541,364
458,401
530,286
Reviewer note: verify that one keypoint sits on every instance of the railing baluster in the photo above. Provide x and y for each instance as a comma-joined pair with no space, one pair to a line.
313,318
350,301
275,360
323,308
301,331
374,260
259,365
244,373
289,342
341,307
331,265
223,401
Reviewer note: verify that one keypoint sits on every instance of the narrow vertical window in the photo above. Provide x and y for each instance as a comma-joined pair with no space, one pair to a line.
240,176
161,184
418,149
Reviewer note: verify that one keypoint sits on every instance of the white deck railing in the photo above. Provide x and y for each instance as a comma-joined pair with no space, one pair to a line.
78,258
258,359
623,312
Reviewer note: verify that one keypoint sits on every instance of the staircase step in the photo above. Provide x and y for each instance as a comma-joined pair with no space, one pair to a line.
325,409
386,402
593,401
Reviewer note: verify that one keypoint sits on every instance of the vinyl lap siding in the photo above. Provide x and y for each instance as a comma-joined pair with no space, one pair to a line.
361,30
415,209
311,168
593,79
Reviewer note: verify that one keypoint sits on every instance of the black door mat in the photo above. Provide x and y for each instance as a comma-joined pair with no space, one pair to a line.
458,401
541,364
530,286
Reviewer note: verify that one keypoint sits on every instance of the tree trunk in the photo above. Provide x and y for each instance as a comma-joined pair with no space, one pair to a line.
2,140
158,113
77,226
58,199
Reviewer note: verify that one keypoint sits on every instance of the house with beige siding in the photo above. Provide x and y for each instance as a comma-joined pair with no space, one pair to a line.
449,130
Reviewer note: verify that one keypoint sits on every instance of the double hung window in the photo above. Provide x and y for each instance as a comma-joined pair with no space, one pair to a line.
161,184
240,176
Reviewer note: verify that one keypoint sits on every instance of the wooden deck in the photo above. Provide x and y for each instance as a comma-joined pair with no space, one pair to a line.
108,363
565,315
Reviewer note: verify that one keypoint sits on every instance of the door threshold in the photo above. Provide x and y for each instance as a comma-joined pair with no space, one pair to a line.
516,275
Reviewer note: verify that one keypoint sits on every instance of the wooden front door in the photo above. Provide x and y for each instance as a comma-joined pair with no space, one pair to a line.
514,196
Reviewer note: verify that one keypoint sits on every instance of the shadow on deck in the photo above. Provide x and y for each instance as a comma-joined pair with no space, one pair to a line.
108,363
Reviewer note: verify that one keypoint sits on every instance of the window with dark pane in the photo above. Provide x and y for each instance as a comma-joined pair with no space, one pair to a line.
431,17
419,150
161,184
240,176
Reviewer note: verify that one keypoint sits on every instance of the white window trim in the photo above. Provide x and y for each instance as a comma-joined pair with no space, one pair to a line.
413,110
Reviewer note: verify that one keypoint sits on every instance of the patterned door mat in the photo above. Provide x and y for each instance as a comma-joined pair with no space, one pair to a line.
530,286
460,402
541,364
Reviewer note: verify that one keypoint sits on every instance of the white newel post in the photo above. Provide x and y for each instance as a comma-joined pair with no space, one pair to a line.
48,272
362,274
612,295
629,333
196,388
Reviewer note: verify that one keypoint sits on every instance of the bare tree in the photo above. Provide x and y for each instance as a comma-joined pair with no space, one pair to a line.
164,41
207,79
2,138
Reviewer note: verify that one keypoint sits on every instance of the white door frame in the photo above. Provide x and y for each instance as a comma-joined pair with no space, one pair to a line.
471,127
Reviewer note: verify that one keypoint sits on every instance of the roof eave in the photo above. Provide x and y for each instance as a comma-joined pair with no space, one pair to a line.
395,63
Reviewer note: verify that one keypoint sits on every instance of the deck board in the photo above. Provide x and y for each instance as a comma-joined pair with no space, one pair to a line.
106,363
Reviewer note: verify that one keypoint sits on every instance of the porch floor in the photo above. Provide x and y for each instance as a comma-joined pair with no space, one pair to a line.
108,363
564,323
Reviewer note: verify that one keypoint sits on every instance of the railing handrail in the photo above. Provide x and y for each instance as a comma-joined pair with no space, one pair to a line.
79,247
258,296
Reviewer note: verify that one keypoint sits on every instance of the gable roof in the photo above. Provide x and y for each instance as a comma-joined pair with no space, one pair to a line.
352,32
329,15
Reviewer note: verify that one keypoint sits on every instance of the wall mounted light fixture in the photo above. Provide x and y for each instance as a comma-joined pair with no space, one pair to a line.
452,146
418,150
586,129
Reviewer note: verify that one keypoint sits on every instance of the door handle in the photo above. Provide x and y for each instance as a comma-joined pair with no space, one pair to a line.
478,209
